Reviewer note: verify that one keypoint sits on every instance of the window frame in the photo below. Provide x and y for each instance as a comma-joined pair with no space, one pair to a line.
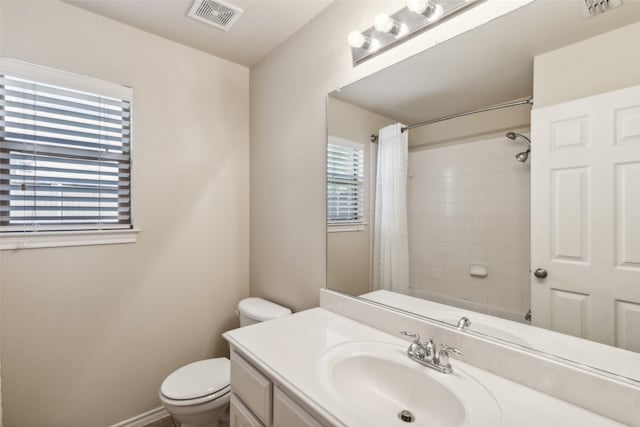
78,235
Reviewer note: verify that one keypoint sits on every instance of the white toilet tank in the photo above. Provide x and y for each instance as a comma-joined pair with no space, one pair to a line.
254,310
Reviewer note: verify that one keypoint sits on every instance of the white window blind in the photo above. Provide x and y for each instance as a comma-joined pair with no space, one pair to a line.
65,159
345,182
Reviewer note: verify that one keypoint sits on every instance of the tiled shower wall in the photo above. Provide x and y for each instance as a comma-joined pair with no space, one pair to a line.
469,203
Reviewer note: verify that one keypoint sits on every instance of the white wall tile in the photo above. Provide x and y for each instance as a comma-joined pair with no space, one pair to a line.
470,203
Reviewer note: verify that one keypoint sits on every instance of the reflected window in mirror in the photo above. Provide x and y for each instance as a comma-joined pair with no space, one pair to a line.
345,183
535,244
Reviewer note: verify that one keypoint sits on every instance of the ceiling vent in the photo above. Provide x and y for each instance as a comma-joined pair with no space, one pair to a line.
218,14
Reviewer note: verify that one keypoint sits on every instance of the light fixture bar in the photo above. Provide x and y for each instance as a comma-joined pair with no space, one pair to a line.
595,7
390,30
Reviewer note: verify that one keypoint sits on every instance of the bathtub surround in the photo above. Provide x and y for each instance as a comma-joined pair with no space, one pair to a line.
469,204
90,332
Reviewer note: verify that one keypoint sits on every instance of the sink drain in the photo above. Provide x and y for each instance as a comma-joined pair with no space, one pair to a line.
406,416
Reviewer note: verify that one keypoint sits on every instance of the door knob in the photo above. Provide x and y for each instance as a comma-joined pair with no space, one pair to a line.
540,273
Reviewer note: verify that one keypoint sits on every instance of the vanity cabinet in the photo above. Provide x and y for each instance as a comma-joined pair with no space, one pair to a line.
240,415
258,401
287,413
252,388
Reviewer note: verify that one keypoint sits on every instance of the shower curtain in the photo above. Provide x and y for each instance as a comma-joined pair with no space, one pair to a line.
390,235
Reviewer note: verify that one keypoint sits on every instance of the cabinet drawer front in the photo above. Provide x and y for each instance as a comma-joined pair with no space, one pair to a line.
252,387
240,416
287,413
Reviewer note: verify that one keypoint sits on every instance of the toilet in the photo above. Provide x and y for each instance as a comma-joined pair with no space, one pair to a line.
197,395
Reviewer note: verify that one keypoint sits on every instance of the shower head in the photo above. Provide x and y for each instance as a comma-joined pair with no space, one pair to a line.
523,157
512,136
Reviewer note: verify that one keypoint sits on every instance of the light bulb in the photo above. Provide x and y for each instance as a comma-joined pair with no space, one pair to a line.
431,11
434,14
356,39
417,6
360,41
384,23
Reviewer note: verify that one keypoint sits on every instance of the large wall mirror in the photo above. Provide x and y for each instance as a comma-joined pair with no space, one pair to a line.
496,177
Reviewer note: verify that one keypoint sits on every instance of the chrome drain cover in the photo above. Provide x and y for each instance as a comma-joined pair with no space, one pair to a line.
406,416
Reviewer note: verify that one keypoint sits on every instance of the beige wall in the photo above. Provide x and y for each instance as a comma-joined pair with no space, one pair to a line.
348,252
600,64
352,122
89,333
288,149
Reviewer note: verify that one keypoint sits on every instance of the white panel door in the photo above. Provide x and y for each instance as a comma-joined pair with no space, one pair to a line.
585,217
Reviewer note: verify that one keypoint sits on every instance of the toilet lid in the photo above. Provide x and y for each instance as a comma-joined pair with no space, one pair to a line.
197,379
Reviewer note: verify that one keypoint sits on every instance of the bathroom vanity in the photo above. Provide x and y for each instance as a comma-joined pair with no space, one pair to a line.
257,400
318,368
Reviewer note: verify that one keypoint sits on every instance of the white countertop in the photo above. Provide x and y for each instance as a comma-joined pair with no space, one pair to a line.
289,349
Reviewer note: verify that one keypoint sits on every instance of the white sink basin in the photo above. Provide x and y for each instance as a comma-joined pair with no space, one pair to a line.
379,381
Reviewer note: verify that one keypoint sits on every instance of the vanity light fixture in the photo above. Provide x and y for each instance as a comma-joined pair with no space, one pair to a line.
358,40
387,24
388,30
429,9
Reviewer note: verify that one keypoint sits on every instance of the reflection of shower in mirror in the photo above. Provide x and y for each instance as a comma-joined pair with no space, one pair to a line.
523,156
479,224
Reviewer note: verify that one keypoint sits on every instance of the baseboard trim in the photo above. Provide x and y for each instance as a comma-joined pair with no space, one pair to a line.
144,419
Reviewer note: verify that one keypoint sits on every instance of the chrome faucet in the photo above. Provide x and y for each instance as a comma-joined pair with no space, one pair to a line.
426,355
464,323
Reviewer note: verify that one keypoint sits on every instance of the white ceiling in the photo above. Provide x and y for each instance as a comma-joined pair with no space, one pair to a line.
488,65
262,27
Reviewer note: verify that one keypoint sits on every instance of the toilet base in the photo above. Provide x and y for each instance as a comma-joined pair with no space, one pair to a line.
218,418
210,414
222,422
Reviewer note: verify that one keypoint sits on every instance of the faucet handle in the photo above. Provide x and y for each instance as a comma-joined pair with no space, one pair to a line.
454,350
416,349
443,357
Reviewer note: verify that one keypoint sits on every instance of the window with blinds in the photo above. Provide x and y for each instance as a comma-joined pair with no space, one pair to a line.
65,159
345,182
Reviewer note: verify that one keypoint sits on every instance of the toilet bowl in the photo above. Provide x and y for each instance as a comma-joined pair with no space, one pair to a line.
197,395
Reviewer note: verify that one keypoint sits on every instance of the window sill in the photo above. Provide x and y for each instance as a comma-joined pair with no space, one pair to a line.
56,239
342,228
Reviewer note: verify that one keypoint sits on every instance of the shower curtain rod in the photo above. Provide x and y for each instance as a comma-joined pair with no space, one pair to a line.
374,138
